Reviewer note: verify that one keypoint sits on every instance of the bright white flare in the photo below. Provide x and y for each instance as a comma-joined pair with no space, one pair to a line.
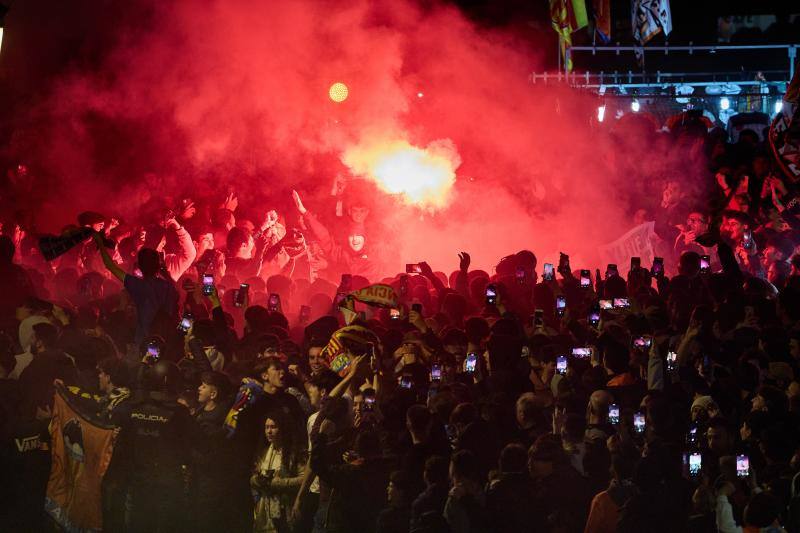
724,103
778,106
635,106
601,113
421,176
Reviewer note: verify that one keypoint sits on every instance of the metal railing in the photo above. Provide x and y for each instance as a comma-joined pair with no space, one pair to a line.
791,51
634,80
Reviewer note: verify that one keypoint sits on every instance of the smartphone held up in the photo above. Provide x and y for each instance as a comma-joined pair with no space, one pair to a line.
413,268
274,303
561,305
208,284
241,295
549,272
491,294
561,364
471,362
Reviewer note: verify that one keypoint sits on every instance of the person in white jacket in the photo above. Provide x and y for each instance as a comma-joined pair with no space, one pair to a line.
178,262
760,514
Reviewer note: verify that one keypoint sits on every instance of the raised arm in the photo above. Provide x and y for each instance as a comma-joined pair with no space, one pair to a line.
225,339
109,263
728,260
427,272
462,279
356,369
177,263
318,229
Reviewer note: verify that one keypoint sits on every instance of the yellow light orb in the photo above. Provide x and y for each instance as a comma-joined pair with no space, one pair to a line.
338,92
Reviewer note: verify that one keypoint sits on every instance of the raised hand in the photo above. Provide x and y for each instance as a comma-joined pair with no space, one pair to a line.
425,268
17,235
166,217
270,219
743,185
172,222
213,295
298,203
339,184
415,319
230,203
722,181
464,261
188,209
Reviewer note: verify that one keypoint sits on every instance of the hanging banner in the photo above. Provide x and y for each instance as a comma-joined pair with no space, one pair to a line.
636,243
649,18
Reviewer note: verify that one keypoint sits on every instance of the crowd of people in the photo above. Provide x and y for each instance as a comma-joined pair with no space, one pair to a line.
251,390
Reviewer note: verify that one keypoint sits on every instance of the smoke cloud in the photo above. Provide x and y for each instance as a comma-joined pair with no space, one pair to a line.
203,97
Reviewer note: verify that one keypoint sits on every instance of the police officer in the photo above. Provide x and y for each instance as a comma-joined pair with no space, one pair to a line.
152,453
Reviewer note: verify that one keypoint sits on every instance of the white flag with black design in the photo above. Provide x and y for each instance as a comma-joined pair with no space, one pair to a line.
649,18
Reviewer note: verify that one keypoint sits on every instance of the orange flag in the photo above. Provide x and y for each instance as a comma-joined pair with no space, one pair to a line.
81,452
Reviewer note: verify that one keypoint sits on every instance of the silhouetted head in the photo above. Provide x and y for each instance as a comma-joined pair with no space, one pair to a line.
148,261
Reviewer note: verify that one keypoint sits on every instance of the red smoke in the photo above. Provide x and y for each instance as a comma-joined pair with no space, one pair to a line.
211,95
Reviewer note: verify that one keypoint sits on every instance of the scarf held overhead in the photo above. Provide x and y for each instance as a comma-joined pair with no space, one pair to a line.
377,295
344,340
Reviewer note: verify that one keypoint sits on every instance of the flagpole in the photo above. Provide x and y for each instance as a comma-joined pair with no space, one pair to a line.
558,51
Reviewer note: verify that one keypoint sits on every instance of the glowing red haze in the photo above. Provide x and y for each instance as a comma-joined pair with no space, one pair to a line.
211,95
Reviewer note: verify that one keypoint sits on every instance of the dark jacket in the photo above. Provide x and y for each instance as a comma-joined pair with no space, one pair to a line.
481,438
359,488
36,381
393,520
663,508
413,464
16,287
242,445
211,475
149,458
508,503
562,499
357,263
25,464
431,501
153,441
